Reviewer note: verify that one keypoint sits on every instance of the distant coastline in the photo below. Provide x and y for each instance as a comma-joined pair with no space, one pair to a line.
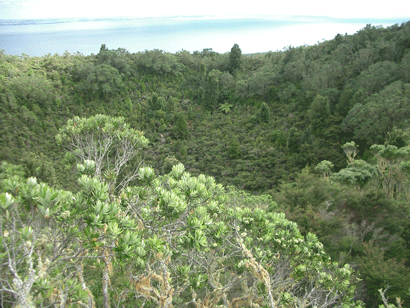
37,37
296,18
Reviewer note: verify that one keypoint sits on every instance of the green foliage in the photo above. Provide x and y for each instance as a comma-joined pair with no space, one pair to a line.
325,168
193,83
319,97
181,130
318,113
380,112
380,272
225,108
39,166
264,113
235,58
210,96
33,89
234,151
358,173
376,77
101,80
294,139
345,103
93,224
350,149
347,220
155,102
397,137
391,165
159,62
107,141
169,163
115,59
170,105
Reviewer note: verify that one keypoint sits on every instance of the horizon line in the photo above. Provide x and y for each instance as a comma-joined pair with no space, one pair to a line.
196,16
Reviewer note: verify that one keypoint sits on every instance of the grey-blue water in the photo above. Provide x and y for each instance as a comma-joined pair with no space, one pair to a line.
50,36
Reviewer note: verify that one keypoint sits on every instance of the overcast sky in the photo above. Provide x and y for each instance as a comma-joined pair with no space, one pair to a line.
27,9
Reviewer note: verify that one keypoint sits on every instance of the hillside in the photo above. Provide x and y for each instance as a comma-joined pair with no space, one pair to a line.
263,123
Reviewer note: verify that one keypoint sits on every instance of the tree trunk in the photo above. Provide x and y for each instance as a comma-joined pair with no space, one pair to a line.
106,280
84,286
24,302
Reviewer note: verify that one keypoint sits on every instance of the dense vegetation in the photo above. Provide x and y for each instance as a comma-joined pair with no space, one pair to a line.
317,132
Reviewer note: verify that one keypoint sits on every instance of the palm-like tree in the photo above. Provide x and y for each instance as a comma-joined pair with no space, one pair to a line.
225,107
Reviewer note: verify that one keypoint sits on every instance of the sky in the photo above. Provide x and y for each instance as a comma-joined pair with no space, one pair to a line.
33,9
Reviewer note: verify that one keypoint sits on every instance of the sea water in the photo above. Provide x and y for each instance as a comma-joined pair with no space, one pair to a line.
55,36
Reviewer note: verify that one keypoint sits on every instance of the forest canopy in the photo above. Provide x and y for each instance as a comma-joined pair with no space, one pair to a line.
206,179
171,240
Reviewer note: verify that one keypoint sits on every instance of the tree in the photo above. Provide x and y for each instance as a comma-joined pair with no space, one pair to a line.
391,165
379,113
170,106
210,95
196,249
350,149
264,113
175,240
348,99
235,59
114,58
318,113
169,162
101,81
263,81
293,141
39,166
181,128
325,168
397,137
234,151
50,235
226,107
33,89
358,173
344,104
155,102
377,76
381,272
103,48
107,141
40,233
